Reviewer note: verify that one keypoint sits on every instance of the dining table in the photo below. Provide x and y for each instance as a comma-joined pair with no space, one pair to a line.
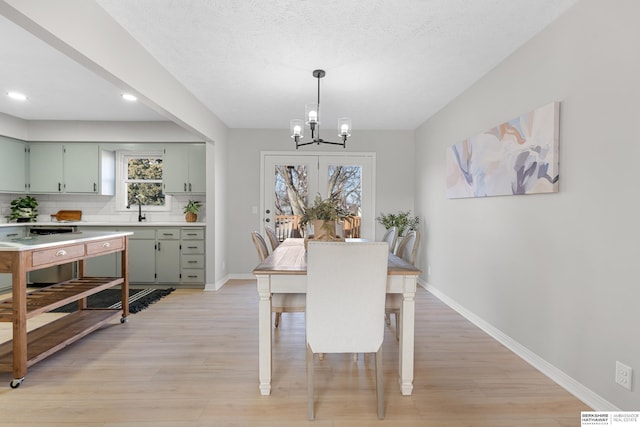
284,271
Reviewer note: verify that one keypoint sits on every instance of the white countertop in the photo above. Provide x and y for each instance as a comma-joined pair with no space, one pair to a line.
106,224
52,240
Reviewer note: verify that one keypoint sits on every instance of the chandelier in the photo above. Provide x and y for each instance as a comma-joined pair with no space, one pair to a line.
312,115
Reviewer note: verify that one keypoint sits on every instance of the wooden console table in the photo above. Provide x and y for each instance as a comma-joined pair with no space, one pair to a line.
21,255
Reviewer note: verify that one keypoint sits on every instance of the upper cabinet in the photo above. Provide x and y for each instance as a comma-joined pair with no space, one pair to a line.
184,169
70,168
45,168
13,163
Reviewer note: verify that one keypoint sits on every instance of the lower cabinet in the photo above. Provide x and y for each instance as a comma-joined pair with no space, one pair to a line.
8,233
157,255
192,256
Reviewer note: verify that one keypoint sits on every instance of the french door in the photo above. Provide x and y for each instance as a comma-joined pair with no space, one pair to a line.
291,182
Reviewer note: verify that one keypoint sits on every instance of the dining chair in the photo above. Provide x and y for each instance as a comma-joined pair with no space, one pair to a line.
390,237
408,251
273,239
280,303
346,288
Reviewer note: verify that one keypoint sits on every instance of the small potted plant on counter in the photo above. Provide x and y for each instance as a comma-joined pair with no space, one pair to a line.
191,210
24,209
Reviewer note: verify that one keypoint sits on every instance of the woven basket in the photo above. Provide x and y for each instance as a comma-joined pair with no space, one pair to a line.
191,217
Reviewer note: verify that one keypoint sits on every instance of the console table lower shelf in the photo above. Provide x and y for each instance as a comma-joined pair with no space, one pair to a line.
56,335
46,340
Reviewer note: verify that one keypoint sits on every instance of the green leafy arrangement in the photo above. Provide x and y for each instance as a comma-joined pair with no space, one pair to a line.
329,209
402,220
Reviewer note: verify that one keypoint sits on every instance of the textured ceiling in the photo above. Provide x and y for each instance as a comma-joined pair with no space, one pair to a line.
390,64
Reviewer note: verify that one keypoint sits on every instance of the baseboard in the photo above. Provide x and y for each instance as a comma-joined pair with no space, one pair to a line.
577,389
220,283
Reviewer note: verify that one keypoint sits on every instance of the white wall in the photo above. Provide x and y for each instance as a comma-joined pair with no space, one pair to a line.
556,273
394,184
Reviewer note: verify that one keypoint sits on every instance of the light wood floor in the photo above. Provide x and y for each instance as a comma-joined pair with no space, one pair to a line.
191,360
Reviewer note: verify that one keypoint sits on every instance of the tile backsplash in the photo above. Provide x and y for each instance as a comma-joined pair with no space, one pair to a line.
100,208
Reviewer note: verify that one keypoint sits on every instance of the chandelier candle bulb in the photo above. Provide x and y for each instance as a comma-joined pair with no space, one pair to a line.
296,127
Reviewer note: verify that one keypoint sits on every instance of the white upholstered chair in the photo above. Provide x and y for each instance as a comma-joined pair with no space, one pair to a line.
280,303
408,251
346,288
390,237
273,239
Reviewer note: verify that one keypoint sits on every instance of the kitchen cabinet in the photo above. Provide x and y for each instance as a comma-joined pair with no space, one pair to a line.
192,256
71,168
45,168
81,168
168,255
8,233
13,164
184,168
142,260
154,256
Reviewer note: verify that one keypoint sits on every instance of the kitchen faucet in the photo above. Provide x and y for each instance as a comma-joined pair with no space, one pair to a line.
136,199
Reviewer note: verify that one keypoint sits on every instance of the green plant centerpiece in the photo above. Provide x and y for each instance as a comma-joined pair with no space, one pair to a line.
323,215
402,220
191,210
24,209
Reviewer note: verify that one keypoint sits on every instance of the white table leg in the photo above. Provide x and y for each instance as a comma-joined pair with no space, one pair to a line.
407,330
264,334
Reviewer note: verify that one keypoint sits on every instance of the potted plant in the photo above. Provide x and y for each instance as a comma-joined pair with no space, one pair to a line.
403,221
191,210
24,209
323,215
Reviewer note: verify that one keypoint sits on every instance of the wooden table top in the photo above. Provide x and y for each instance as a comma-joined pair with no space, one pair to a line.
290,257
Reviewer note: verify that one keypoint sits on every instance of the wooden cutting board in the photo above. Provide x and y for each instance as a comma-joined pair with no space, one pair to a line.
68,216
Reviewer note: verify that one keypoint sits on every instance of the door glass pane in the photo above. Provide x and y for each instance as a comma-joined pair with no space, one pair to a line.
291,195
345,183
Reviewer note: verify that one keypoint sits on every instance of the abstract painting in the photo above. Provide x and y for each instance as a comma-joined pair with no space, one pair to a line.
516,157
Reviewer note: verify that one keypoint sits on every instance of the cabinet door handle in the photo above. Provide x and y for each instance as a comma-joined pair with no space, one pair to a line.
59,186
95,187
61,252
106,244
192,247
185,186
12,235
191,234
158,246
192,276
192,262
167,234
189,186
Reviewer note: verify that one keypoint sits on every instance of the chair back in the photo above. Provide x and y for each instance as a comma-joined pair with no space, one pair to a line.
273,239
408,247
261,245
346,288
390,237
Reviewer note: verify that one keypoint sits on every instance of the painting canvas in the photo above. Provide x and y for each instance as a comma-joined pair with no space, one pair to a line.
516,157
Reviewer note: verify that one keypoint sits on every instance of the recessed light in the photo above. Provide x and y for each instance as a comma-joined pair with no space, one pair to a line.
17,96
129,97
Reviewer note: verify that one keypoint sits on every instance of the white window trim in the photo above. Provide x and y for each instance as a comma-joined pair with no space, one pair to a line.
121,173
